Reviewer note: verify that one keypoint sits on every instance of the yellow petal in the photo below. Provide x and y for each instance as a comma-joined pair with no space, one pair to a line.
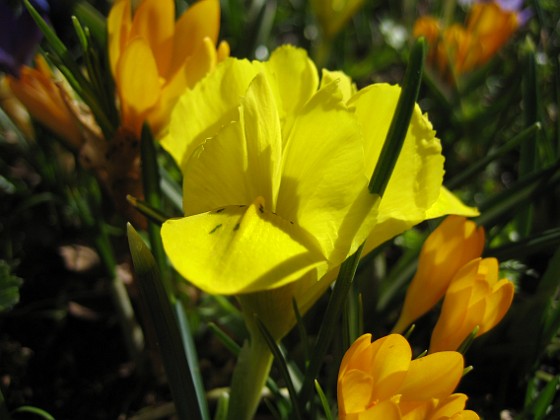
448,203
119,23
389,366
242,161
138,83
330,199
353,357
497,305
346,86
154,21
416,180
432,376
449,406
293,78
355,392
203,110
201,20
223,51
386,410
201,62
238,249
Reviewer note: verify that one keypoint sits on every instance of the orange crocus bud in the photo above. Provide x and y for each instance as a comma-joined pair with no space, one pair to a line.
47,101
379,380
451,245
475,298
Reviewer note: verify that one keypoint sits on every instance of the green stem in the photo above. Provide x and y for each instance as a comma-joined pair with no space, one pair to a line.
249,377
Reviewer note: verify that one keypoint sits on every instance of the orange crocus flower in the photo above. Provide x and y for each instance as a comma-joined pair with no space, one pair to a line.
380,381
451,245
153,58
475,298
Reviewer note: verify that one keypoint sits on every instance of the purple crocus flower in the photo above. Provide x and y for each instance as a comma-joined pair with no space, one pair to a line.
19,35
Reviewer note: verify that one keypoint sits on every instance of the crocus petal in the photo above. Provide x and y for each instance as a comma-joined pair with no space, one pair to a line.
213,100
353,356
138,82
119,23
236,249
200,63
497,305
201,20
391,361
154,21
355,391
217,173
330,199
449,406
432,376
386,410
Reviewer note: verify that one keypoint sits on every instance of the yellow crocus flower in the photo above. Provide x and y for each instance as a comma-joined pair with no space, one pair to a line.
153,58
475,298
455,242
378,380
276,166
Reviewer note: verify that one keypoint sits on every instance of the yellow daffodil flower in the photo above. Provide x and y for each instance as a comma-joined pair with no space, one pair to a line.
47,101
455,242
276,167
378,380
458,49
475,298
333,15
153,58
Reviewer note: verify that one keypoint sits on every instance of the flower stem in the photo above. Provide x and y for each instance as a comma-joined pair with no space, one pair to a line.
249,377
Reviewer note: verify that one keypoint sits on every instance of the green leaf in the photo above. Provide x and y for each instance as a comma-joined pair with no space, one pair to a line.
9,287
159,310
324,401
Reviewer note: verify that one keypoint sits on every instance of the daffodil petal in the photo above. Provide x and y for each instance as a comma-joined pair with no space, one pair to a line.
138,82
238,249
211,102
330,198
119,22
416,179
154,21
242,161
433,376
345,84
448,203
293,77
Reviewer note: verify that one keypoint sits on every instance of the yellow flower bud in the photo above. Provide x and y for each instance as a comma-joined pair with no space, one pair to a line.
475,298
455,242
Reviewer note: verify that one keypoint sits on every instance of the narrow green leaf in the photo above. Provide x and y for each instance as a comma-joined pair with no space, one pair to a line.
324,401
222,408
329,324
303,338
401,120
153,214
152,194
282,364
226,340
539,407
34,410
155,299
92,19
533,244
